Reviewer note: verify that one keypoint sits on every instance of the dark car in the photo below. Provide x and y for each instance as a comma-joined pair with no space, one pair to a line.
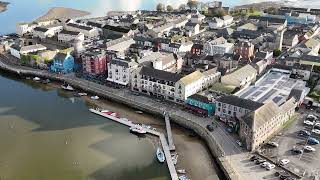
290,178
284,176
210,128
254,157
260,160
304,133
297,151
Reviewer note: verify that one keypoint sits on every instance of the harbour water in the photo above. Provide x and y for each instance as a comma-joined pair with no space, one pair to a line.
47,134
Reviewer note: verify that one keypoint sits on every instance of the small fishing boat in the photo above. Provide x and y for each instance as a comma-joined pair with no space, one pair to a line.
181,171
139,112
28,78
160,155
174,158
82,94
183,177
36,79
67,87
137,130
94,97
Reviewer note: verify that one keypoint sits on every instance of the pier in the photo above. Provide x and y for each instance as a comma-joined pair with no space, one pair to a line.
169,132
165,146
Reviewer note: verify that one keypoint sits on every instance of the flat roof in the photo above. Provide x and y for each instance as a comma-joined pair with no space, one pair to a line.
274,85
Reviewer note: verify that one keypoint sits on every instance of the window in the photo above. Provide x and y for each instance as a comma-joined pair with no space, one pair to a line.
229,112
235,108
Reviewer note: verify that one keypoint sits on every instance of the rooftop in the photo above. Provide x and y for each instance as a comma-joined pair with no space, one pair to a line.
159,74
239,102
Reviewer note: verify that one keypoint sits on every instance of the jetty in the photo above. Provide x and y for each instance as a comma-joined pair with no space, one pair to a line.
169,132
164,144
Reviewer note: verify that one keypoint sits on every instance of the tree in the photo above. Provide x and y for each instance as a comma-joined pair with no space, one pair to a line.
169,8
252,9
221,13
192,4
160,7
276,53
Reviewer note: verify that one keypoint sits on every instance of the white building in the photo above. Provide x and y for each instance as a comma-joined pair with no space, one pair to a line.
218,46
216,23
243,77
67,36
17,51
119,70
178,47
86,30
227,20
197,18
120,45
44,32
192,28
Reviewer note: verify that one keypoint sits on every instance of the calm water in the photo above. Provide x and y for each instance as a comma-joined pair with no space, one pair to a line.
44,134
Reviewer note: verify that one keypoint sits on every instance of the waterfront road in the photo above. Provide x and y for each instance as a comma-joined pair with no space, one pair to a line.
234,158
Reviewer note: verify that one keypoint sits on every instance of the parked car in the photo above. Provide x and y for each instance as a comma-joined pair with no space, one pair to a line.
265,164
313,141
290,178
210,127
284,162
270,166
307,122
297,151
239,143
312,117
260,160
316,131
254,157
304,133
229,130
273,144
309,148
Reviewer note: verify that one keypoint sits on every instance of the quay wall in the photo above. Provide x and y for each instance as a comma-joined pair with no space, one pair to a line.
214,147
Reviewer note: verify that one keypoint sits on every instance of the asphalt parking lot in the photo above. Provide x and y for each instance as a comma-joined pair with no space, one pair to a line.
307,163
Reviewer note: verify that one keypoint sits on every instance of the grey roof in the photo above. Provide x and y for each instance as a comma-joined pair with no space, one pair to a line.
60,56
200,98
175,45
16,47
73,33
160,75
261,55
41,29
117,28
269,19
120,62
296,93
239,102
190,24
87,28
302,67
310,58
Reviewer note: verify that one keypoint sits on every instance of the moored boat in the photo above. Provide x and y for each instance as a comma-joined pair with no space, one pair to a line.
137,130
82,94
36,79
67,87
183,177
160,155
94,97
181,171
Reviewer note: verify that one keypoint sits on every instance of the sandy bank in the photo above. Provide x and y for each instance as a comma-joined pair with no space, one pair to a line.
61,12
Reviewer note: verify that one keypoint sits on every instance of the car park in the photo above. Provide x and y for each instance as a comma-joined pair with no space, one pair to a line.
273,144
284,162
313,141
309,148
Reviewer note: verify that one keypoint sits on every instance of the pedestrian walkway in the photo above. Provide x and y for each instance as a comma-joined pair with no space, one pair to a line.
169,132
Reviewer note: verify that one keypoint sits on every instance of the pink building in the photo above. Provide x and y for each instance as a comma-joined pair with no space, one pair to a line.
94,62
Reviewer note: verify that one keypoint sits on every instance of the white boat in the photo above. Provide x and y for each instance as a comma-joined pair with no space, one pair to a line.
160,155
175,159
82,94
139,112
138,130
94,97
181,171
67,87
36,79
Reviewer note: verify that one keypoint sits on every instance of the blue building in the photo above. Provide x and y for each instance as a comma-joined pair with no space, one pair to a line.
62,63
200,105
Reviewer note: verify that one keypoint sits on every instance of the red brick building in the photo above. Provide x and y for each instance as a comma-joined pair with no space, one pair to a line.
245,49
94,62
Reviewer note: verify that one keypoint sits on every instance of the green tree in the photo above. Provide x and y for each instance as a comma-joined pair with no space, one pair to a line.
221,13
192,4
276,53
252,9
169,8
160,7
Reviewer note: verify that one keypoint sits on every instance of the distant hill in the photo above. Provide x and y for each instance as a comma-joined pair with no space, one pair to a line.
61,12
3,6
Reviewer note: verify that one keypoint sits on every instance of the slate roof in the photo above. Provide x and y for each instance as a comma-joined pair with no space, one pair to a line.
296,93
87,28
60,56
41,29
310,58
73,33
200,98
120,62
117,28
159,74
239,102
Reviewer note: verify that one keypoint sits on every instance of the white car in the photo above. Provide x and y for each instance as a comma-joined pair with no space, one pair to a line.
284,162
265,164
309,148
274,144
270,166
316,131
317,124
307,122
311,116
239,143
